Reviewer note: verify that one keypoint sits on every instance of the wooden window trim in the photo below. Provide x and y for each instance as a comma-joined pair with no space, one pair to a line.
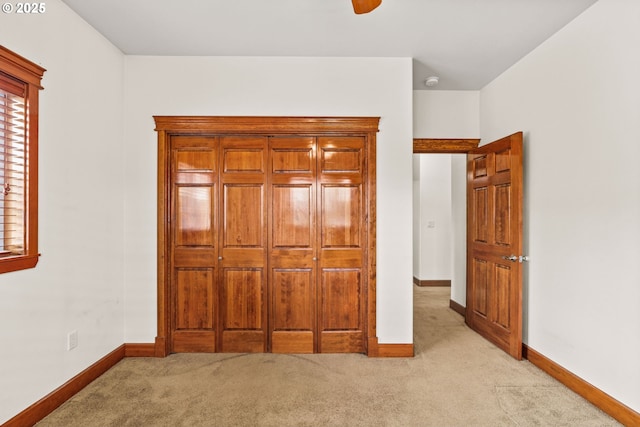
30,74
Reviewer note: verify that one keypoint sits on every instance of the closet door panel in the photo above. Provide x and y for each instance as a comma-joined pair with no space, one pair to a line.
292,310
292,215
243,234
341,164
194,219
194,243
242,303
194,294
243,224
341,216
194,321
340,289
292,245
242,296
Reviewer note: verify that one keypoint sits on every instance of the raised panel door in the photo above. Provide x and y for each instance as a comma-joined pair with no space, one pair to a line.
243,245
292,245
193,263
341,258
494,279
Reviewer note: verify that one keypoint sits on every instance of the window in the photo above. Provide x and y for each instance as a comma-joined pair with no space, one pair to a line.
19,88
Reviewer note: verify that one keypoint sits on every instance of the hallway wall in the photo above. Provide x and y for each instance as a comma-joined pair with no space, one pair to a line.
445,114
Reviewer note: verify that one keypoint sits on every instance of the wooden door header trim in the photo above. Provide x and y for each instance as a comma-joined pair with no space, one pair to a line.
263,124
453,145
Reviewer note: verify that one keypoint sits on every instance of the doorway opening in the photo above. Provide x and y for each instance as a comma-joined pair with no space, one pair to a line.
439,215
493,271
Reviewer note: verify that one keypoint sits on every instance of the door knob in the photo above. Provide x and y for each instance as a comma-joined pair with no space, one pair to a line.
514,258
220,258
314,259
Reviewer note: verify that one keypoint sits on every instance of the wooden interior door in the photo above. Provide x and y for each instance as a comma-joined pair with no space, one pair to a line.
193,248
341,244
242,259
494,243
292,246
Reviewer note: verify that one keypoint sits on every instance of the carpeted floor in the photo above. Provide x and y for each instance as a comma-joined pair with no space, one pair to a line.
456,379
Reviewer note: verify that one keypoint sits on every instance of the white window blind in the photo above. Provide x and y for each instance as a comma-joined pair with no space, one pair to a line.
12,166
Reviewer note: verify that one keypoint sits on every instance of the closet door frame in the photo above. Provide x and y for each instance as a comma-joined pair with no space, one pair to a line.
167,126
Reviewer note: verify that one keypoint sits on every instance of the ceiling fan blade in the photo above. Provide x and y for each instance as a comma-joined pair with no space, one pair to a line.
365,6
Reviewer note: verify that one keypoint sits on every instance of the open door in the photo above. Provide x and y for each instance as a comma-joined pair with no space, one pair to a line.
494,243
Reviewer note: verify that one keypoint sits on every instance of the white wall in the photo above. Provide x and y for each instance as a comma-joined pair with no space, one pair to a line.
78,283
459,228
576,99
444,114
271,86
435,236
416,236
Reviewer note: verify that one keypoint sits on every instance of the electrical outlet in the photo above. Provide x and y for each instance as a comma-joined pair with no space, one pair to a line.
72,340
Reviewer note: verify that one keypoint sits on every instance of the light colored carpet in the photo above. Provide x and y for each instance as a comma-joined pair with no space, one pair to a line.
456,379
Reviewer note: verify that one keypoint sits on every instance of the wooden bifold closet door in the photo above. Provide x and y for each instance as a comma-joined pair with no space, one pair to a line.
263,247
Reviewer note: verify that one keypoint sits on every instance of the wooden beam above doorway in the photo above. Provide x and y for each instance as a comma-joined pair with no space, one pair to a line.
455,145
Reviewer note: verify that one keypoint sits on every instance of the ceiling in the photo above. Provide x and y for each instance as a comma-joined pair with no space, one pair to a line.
466,43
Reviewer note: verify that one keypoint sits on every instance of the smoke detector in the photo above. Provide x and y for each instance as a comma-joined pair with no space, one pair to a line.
431,81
